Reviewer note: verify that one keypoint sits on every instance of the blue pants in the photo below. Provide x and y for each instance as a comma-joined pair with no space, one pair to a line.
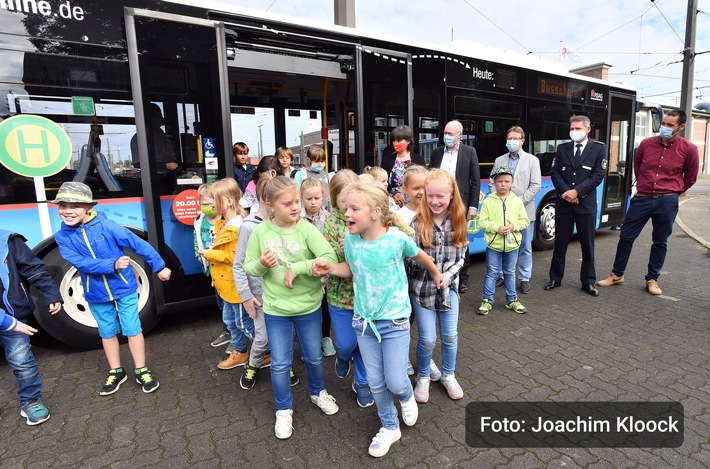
386,364
239,324
280,332
525,253
22,361
497,262
346,340
448,328
662,212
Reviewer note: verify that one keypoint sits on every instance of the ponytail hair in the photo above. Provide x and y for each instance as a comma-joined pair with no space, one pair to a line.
457,212
377,198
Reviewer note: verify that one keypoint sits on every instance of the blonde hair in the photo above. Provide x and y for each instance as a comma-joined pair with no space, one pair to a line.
205,190
261,183
374,171
412,170
338,182
224,189
283,151
276,187
456,211
312,183
376,198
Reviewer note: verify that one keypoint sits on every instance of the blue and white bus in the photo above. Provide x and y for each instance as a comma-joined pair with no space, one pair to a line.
216,72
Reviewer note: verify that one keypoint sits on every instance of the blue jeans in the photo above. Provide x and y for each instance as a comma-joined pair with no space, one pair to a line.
280,332
426,323
495,263
662,212
346,340
386,364
239,324
525,253
22,361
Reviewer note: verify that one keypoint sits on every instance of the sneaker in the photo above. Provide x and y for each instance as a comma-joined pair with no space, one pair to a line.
652,287
248,379
410,368
229,349
382,441
294,378
145,378
35,412
364,396
342,368
236,359
500,281
410,411
516,307
611,280
284,424
266,362
223,339
326,402
434,371
452,387
114,380
525,287
485,307
327,345
421,390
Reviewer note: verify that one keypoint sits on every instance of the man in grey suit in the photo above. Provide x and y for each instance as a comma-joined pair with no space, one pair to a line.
462,162
526,184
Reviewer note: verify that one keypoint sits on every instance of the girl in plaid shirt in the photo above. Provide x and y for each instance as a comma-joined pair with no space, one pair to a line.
441,232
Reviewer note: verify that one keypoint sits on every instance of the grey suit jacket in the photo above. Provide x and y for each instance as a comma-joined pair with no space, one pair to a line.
526,180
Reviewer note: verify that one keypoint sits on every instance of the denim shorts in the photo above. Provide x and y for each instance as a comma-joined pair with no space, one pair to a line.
117,316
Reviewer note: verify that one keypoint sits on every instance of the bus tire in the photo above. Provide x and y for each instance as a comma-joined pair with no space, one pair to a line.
544,237
74,325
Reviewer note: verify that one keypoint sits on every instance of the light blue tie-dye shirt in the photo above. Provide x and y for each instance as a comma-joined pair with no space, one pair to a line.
381,286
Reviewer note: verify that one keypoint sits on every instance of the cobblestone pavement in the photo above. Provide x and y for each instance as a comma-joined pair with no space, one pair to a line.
625,345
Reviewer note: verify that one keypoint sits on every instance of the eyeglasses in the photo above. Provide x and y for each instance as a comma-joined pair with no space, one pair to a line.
516,138
452,135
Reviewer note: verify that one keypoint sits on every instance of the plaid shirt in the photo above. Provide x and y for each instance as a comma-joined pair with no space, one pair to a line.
448,259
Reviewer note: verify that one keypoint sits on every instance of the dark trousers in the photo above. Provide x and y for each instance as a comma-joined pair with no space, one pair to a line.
564,229
463,273
662,212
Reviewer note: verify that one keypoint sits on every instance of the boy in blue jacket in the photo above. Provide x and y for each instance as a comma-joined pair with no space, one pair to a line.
94,245
18,268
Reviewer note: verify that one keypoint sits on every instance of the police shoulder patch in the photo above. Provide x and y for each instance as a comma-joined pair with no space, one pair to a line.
605,162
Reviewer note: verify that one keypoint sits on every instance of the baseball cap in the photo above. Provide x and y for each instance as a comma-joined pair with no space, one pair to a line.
502,170
75,192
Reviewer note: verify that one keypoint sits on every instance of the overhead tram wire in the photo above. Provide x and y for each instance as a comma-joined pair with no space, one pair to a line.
502,30
669,23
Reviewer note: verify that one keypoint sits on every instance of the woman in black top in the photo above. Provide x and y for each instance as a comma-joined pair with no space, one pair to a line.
397,162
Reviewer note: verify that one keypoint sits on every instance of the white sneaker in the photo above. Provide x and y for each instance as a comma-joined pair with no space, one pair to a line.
383,440
434,371
284,424
452,386
326,402
410,411
421,390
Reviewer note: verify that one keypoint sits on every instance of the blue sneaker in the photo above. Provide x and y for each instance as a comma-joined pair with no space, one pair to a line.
35,412
342,368
364,396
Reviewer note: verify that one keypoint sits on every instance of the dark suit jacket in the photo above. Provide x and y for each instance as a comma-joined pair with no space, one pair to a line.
468,174
583,175
387,162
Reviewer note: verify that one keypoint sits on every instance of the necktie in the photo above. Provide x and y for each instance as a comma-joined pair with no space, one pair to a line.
578,153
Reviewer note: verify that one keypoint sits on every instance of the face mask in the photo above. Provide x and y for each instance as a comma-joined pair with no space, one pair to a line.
449,140
512,145
666,133
317,167
577,135
208,211
400,147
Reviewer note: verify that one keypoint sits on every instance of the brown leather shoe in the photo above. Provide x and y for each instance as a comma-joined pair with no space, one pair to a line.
611,280
653,288
234,360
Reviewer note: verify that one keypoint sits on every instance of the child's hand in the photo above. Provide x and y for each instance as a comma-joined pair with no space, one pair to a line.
446,281
24,328
202,252
320,268
268,259
440,280
250,305
289,278
55,307
121,263
164,274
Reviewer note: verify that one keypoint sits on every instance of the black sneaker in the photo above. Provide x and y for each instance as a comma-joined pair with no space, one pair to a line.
294,378
248,379
114,380
500,281
145,378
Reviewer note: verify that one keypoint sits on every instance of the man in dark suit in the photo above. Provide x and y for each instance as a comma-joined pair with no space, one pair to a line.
579,167
461,161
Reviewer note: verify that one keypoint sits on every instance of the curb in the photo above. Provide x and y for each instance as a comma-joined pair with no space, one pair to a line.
685,227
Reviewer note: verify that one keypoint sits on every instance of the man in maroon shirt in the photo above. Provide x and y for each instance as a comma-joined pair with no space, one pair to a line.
665,167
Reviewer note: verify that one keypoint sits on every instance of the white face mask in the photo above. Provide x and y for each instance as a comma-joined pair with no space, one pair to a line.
577,135
512,145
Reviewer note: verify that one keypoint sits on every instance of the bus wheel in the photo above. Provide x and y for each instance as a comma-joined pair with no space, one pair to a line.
74,325
545,226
